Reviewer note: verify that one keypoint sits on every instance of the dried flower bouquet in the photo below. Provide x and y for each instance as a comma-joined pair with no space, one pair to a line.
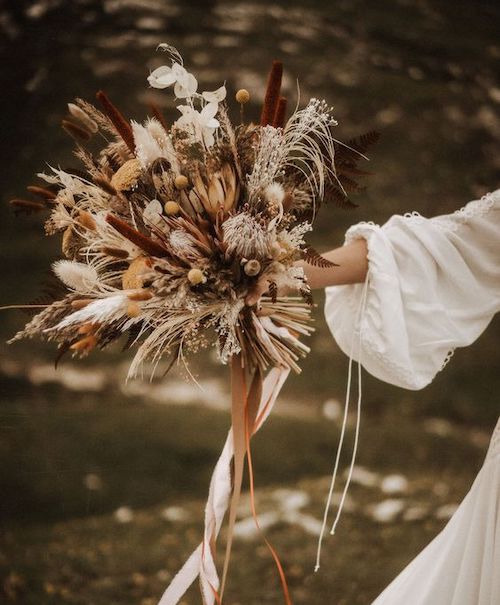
167,231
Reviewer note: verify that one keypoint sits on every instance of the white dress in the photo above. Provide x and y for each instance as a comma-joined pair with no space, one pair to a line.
433,285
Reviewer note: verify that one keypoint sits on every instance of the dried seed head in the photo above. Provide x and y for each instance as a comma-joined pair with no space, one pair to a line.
83,118
84,345
133,309
80,303
133,277
105,185
114,252
69,244
252,267
127,176
86,220
172,208
140,295
181,182
79,133
87,328
196,276
242,96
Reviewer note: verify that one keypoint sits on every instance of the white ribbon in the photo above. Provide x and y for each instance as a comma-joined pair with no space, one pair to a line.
201,562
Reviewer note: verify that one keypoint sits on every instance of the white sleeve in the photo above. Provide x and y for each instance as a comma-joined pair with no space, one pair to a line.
433,285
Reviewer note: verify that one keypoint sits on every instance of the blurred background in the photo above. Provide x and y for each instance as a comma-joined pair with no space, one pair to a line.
102,484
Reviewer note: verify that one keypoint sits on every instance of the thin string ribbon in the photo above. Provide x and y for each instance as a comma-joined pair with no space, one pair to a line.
359,319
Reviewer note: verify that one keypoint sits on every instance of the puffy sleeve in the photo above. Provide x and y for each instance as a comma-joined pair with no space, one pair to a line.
433,285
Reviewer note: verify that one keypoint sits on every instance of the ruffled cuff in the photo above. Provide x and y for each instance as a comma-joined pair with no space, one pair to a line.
374,332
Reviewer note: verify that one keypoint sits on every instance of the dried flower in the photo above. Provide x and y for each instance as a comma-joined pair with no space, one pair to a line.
252,267
242,96
80,277
84,118
245,236
84,345
196,276
133,277
181,181
172,208
127,176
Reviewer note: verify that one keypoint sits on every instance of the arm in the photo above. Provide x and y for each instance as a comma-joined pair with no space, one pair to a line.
352,266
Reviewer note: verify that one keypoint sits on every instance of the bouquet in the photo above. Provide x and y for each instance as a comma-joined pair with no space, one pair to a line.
168,230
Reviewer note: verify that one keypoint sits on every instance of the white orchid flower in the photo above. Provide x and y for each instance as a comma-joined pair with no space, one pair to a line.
203,122
216,96
185,84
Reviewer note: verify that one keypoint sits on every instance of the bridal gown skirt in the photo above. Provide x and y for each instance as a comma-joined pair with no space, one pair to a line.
461,566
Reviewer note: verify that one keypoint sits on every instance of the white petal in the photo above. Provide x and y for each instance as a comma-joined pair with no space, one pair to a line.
213,123
215,96
209,112
161,77
179,71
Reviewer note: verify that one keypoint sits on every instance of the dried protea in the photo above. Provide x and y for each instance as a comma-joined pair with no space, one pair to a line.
246,237
218,191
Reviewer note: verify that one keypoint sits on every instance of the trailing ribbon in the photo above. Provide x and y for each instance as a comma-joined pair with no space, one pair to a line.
201,562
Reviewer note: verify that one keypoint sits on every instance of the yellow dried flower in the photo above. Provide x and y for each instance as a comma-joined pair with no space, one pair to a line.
242,96
172,208
127,176
181,182
196,276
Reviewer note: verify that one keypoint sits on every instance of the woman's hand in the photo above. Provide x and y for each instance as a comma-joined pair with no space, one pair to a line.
352,261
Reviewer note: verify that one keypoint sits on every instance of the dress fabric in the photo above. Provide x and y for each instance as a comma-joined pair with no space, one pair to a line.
433,285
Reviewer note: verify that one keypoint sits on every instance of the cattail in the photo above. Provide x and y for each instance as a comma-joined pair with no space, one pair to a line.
272,93
84,345
81,116
280,113
140,295
79,133
136,237
119,122
27,205
80,303
85,219
42,192
105,185
114,252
